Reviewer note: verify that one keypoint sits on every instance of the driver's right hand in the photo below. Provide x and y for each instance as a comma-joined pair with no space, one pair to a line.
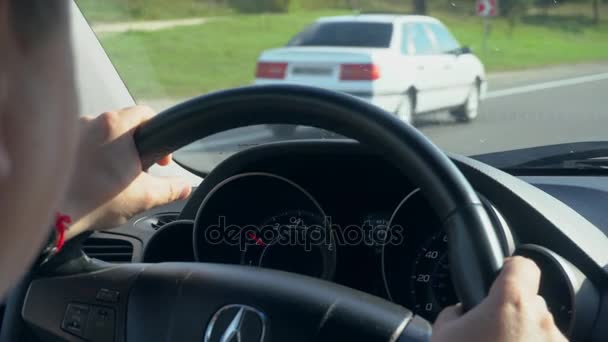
512,312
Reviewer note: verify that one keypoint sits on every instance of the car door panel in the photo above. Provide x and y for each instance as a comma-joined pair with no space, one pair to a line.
447,66
399,74
472,68
443,91
424,66
458,70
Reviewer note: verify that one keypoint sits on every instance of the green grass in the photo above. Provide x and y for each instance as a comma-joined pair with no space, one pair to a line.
533,42
187,61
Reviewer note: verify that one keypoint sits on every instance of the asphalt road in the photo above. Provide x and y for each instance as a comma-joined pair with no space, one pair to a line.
535,116
524,109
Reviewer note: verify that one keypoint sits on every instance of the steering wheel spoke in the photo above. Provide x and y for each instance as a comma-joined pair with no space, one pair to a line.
91,306
208,302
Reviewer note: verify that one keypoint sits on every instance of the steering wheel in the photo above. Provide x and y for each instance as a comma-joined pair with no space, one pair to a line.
216,302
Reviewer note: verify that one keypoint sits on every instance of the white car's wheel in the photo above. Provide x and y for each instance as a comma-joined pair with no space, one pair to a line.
405,111
469,111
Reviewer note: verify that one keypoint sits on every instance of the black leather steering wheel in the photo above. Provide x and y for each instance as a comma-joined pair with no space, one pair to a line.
196,302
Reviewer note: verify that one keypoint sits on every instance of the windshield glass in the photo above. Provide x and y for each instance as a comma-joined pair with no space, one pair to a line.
474,79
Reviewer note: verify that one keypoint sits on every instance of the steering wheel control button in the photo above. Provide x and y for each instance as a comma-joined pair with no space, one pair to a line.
75,319
100,326
236,323
107,295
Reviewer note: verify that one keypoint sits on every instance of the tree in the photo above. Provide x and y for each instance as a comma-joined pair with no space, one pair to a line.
596,11
419,6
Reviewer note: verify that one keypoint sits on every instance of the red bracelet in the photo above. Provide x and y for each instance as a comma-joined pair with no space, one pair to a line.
61,226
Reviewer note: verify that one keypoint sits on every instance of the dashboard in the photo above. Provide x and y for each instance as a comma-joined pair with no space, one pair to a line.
339,212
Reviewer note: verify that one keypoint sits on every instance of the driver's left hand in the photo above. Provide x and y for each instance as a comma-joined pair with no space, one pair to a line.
108,185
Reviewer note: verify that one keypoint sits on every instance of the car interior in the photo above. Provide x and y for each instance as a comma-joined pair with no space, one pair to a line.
404,230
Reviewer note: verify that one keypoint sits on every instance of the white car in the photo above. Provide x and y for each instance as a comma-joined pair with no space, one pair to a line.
405,64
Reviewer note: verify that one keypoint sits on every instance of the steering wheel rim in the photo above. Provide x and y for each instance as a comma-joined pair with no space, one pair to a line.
474,249
165,296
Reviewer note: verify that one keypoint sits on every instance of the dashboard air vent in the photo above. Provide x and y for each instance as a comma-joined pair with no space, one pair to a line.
109,250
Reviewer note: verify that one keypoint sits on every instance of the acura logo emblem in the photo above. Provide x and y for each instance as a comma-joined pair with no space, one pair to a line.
236,323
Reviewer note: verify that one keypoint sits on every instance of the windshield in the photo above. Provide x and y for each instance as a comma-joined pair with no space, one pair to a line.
352,34
473,78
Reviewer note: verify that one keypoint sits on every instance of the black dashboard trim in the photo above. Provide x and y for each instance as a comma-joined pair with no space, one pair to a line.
556,225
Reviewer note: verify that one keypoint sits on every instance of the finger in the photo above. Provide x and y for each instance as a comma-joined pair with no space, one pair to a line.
163,190
111,125
449,314
540,305
547,323
518,281
545,317
86,119
136,115
166,160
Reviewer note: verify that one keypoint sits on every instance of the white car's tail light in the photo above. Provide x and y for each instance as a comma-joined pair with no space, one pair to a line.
359,72
271,70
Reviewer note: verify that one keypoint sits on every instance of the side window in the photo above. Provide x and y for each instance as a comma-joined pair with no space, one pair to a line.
421,41
445,41
405,41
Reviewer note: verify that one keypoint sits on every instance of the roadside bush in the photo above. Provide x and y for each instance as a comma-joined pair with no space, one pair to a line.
260,6
514,8
321,4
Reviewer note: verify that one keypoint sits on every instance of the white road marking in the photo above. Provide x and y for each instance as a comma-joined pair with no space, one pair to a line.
545,85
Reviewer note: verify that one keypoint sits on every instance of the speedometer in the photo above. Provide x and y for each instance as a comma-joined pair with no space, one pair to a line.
431,287
416,271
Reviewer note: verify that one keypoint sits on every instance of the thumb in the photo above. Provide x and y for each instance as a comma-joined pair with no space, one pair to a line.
163,190
449,314
518,281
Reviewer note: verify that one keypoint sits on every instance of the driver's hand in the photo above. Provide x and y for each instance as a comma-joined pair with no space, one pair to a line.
512,312
108,185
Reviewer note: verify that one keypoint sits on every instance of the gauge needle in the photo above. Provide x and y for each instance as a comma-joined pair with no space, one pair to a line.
257,240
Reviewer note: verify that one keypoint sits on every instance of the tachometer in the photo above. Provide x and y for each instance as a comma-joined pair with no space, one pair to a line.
293,241
234,212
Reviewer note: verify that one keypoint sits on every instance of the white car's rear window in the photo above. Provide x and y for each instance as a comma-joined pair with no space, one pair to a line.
345,34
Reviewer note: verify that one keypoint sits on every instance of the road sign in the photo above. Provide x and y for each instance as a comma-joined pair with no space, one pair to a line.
487,8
